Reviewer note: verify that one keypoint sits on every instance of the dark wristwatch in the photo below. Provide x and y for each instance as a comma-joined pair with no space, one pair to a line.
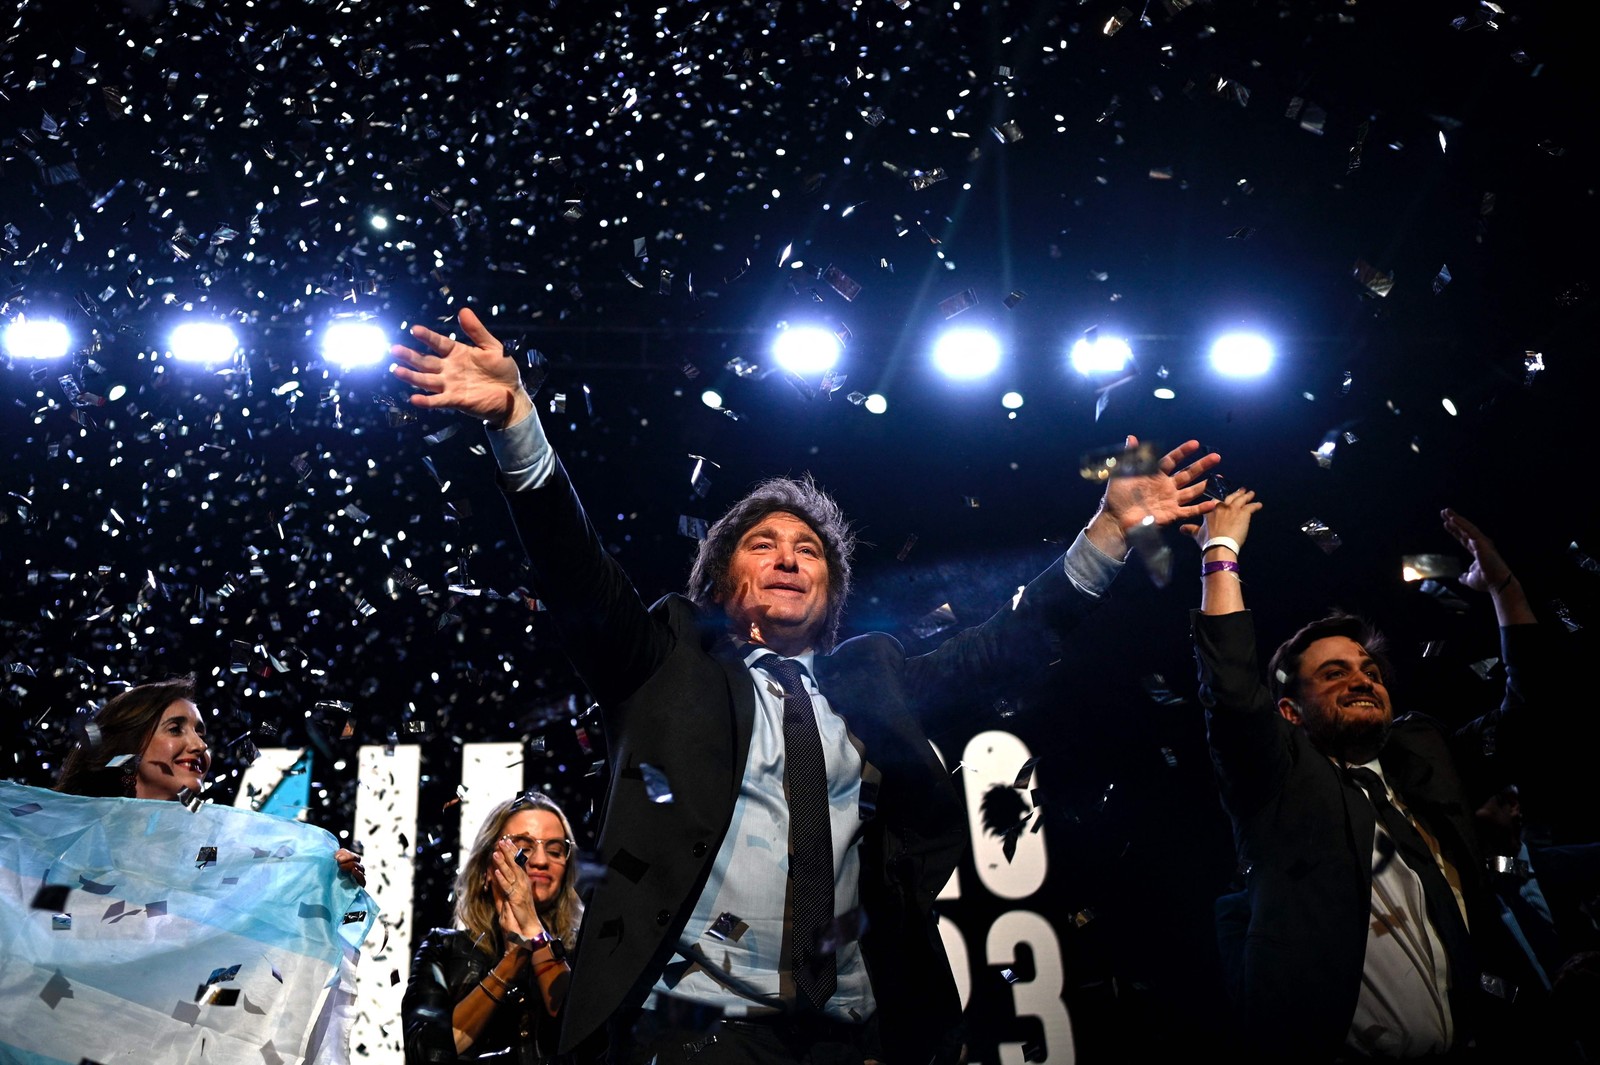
543,939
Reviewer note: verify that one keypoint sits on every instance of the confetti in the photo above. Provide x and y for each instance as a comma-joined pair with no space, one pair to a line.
1321,535
1442,594
1418,567
961,301
52,897
1563,614
1376,282
934,622
1119,461
727,927
1483,667
841,283
1156,687
1532,367
656,786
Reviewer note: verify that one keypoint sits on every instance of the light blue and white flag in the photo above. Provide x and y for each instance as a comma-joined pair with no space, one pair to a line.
132,930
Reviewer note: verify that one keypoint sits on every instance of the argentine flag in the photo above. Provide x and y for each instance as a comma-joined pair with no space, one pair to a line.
134,930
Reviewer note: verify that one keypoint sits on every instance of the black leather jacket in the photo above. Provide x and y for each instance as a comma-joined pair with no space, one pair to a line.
444,971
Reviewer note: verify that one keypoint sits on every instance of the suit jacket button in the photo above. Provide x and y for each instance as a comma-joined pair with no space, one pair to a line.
663,916
700,849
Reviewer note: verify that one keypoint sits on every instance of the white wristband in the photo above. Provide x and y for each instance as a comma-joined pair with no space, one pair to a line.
1221,541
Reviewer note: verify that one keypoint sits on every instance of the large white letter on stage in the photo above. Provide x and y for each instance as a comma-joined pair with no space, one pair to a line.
1041,996
990,760
491,773
386,827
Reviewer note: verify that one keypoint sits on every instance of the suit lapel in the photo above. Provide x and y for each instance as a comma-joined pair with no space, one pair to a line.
743,699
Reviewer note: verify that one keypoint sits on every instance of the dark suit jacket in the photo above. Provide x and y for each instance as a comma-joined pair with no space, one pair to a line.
1303,833
670,698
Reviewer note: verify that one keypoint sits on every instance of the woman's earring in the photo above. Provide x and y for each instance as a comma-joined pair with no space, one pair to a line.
130,782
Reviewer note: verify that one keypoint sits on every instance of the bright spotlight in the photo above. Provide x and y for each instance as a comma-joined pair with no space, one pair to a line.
1241,355
876,404
38,338
967,354
203,342
1164,393
355,344
1011,400
711,398
806,349
1101,355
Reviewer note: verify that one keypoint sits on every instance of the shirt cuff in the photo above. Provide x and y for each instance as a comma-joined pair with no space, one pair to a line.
523,453
1090,569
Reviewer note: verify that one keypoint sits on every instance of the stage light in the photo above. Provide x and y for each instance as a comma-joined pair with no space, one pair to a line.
806,349
876,404
1449,406
967,354
711,398
203,342
116,392
1164,393
379,222
1101,355
1241,355
1011,400
350,344
37,338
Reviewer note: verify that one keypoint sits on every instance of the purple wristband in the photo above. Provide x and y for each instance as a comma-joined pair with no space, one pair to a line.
1208,568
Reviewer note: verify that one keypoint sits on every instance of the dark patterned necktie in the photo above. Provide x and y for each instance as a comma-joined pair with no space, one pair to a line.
805,778
1443,912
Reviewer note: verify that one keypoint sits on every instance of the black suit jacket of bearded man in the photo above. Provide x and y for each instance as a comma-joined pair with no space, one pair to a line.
1303,832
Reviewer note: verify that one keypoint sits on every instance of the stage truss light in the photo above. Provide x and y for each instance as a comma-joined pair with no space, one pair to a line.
37,338
967,354
1100,355
1241,355
353,344
807,349
203,342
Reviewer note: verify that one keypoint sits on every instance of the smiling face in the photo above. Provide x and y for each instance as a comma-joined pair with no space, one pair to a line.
545,873
175,756
776,593
1341,700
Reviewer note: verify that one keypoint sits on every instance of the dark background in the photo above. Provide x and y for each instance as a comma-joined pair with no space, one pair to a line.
223,161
